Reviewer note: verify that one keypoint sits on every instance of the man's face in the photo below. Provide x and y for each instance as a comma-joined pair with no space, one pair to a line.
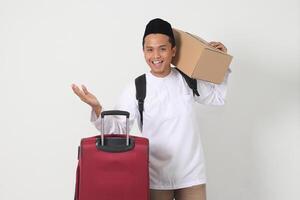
158,53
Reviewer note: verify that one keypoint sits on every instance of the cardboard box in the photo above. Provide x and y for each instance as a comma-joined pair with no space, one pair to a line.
197,59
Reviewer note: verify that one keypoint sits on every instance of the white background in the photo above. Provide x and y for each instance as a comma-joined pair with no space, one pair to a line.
252,144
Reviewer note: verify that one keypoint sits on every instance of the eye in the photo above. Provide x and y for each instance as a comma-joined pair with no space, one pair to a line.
149,50
163,49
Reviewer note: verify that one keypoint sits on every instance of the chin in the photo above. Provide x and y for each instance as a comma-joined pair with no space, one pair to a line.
157,70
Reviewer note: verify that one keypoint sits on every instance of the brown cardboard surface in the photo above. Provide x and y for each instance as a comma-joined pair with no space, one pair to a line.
197,59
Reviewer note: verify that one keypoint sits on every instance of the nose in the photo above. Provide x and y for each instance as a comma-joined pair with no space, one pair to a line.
156,54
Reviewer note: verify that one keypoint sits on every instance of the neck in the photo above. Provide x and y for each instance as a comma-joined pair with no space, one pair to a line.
162,75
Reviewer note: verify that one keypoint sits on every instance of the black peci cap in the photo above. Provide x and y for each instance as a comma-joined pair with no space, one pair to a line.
159,26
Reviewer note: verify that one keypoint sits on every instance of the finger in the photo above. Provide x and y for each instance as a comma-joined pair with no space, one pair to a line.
84,89
74,87
213,43
219,46
77,91
222,48
216,43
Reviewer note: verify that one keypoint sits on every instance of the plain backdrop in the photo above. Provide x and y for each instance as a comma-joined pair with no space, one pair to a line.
252,144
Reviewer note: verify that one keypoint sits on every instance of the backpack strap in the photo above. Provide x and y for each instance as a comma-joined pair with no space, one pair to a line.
192,83
140,86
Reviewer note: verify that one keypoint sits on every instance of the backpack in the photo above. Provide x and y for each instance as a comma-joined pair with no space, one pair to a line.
140,86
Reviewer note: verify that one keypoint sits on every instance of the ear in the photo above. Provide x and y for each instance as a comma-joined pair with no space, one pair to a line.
174,51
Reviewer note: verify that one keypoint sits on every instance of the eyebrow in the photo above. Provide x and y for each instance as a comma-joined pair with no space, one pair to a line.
164,45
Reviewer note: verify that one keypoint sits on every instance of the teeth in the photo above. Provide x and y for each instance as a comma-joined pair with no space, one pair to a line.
156,62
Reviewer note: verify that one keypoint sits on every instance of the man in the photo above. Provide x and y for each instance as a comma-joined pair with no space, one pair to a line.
176,158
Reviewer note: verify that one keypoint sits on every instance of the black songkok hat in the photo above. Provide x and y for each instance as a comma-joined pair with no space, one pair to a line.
159,26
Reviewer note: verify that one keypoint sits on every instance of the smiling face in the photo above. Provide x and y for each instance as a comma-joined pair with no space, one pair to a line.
158,53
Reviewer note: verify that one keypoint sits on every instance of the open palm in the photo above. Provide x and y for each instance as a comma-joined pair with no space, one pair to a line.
85,95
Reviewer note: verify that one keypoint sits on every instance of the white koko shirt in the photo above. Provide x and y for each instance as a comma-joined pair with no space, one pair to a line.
176,158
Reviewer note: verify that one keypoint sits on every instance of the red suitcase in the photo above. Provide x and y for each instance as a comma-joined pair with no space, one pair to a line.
113,166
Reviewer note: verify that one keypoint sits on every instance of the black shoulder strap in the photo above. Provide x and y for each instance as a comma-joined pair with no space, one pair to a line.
192,83
140,86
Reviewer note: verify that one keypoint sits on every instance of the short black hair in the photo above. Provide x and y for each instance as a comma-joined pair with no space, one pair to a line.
158,25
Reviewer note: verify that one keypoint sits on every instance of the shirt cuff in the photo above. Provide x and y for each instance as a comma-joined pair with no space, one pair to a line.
94,119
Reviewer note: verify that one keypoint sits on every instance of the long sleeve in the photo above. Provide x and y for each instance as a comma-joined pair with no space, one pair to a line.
212,94
116,124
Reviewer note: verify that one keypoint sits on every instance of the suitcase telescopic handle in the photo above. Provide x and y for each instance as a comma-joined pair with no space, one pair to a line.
114,112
